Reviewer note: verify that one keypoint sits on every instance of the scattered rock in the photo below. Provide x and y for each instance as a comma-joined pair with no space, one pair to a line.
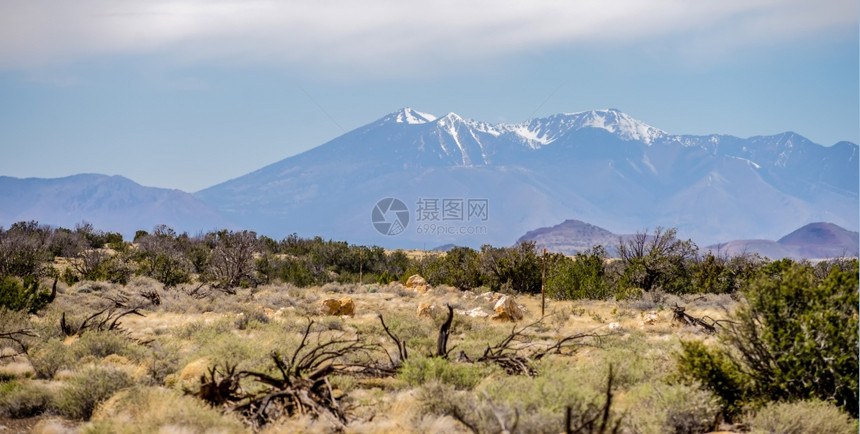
491,296
476,313
651,318
507,310
269,313
338,306
428,310
417,283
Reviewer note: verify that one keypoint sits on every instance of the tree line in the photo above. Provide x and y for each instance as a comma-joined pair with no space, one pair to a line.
649,261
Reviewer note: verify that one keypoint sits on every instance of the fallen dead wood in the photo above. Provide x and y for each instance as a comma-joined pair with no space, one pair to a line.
516,352
706,323
300,385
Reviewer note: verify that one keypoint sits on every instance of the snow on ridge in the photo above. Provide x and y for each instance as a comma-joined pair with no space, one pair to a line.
543,131
747,160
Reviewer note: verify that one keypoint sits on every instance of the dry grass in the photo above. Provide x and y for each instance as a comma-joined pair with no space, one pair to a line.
174,343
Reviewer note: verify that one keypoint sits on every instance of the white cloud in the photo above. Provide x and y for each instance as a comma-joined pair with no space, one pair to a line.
389,35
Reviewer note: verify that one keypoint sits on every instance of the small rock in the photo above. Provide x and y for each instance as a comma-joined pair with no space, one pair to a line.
428,310
651,318
614,326
476,313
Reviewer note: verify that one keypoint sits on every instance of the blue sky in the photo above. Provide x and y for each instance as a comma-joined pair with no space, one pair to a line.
189,94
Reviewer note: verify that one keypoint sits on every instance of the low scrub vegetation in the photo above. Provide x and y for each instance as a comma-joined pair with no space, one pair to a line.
225,332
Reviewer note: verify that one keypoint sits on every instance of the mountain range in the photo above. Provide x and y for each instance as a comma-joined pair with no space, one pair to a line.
468,182
812,241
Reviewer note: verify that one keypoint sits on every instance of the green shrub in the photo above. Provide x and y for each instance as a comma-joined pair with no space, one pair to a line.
419,370
503,402
679,408
164,359
155,410
556,386
802,417
25,295
81,394
23,399
50,357
516,268
104,343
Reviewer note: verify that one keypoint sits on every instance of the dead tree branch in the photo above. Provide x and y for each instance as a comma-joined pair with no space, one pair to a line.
95,322
401,346
17,336
442,340
596,419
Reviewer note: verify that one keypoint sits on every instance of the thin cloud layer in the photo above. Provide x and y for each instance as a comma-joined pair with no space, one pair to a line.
383,34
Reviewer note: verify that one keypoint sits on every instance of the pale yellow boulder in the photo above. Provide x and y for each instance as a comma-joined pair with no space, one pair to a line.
417,283
338,306
507,310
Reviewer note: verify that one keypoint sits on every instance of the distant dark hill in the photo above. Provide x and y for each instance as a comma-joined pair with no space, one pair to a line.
110,203
571,237
812,241
764,248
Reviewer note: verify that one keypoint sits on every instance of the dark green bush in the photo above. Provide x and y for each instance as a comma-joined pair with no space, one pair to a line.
656,261
717,372
579,278
518,268
794,336
23,295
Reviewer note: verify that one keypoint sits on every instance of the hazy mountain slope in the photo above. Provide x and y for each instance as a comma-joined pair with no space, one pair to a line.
599,166
110,203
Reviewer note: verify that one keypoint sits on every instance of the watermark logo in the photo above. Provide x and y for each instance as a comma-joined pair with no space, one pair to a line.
390,216
435,216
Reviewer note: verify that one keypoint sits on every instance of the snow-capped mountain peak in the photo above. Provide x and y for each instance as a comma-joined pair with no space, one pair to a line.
620,123
407,115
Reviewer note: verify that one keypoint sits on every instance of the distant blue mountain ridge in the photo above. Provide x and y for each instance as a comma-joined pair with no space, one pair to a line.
599,166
